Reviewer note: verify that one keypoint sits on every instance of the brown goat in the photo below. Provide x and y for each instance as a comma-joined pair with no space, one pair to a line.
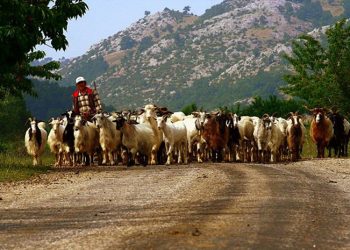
216,134
321,130
295,135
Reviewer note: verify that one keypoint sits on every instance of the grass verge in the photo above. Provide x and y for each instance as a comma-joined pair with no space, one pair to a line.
16,164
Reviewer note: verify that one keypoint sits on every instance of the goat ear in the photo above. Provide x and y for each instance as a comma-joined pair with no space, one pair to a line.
50,121
195,114
27,122
141,111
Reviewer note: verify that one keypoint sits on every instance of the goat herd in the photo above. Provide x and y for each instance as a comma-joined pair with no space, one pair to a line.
155,135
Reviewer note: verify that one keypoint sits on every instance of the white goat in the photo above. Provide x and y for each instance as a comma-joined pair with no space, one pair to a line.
246,141
275,143
175,136
110,137
262,136
35,140
86,138
194,125
137,138
149,116
177,116
55,140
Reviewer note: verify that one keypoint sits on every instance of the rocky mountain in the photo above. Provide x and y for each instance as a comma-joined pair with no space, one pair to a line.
229,54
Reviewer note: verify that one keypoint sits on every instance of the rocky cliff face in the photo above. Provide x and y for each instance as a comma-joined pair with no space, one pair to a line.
229,54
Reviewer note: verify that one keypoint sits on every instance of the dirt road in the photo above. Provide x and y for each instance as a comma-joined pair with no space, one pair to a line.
301,205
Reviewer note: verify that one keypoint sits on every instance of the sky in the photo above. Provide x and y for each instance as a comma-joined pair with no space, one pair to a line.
107,17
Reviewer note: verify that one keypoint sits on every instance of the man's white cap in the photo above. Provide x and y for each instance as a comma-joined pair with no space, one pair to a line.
80,79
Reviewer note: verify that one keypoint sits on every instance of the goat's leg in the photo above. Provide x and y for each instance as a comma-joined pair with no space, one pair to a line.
169,154
184,149
111,158
200,150
35,160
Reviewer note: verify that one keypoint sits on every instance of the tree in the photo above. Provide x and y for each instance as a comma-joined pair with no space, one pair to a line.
34,22
147,12
127,42
186,9
321,70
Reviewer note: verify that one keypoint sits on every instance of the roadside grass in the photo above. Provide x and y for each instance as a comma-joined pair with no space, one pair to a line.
16,164
309,148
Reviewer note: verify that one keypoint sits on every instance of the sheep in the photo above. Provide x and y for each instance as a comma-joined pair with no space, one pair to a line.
295,135
86,138
109,136
321,130
55,140
175,136
35,140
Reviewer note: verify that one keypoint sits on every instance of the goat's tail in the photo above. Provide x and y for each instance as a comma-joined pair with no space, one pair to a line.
42,125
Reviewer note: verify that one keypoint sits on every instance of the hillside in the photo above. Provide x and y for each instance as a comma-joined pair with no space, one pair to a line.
227,55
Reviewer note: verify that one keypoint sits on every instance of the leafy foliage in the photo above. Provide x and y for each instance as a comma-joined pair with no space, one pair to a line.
46,104
127,43
214,11
272,105
25,24
13,115
313,12
145,43
188,109
320,73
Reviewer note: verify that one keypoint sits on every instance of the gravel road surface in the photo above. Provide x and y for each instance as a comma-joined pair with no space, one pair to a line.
303,205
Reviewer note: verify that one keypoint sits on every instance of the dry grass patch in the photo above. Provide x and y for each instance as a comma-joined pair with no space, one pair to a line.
335,8
260,33
114,58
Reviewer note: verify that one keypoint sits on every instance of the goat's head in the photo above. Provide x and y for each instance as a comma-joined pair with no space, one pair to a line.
55,123
319,114
266,122
295,119
99,119
235,119
161,121
33,125
79,122
201,116
150,111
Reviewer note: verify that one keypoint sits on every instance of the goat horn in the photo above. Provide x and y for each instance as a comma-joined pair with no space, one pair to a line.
306,107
